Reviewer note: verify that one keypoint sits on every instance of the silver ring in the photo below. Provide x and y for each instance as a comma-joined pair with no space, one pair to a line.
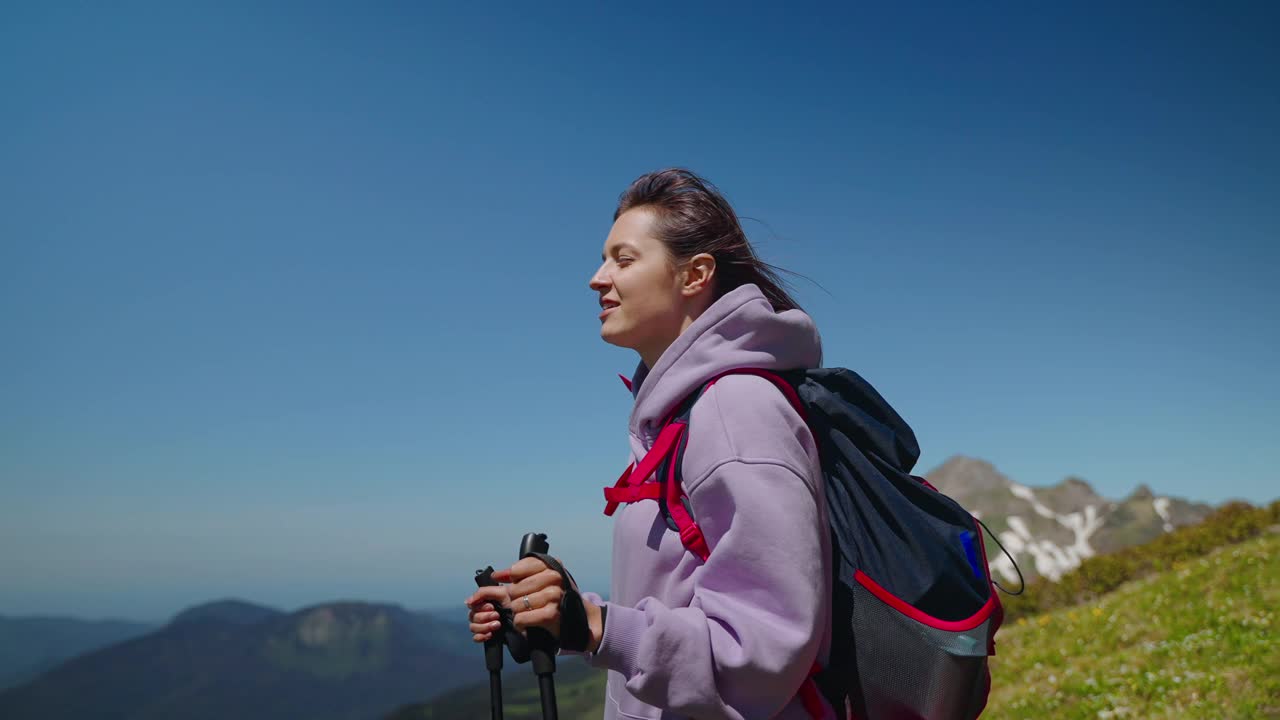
527,606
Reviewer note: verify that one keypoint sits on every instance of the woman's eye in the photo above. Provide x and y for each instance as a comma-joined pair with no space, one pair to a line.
624,260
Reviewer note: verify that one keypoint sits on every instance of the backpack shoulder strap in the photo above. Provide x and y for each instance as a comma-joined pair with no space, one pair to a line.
673,501
784,381
679,513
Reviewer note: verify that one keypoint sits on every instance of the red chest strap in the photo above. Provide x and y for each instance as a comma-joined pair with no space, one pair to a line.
630,494
631,487
637,474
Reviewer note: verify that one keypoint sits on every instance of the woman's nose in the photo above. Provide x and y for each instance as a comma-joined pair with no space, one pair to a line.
600,281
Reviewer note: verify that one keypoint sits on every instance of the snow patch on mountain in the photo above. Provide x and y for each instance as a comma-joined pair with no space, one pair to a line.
1162,509
1052,530
1025,493
1051,560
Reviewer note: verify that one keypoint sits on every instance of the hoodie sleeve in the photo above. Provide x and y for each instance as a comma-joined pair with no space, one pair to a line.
745,643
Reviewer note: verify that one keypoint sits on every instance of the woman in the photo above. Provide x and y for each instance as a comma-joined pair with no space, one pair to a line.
733,636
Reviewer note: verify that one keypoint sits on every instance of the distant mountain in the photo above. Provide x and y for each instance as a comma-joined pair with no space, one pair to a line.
31,645
236,612
1050,530
338,661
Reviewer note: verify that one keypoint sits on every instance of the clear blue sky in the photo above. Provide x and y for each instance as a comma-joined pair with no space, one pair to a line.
294,299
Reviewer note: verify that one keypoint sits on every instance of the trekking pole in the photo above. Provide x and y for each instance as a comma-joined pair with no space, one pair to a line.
542,643
492,653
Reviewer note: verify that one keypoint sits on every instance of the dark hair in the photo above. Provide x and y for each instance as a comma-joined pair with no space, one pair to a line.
692,217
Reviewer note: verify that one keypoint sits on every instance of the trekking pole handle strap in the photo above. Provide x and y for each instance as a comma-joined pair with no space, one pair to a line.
575,632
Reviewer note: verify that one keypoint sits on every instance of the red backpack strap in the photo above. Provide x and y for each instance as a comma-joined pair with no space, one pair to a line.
637,474
674,499
691,535
610,504
632,493
670,444
780,382
674,495
811,696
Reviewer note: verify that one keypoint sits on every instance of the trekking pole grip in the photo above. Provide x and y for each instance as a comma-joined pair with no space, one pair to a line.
543,644
492,653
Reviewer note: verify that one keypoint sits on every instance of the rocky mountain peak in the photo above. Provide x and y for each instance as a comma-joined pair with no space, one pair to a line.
962,476
1142,492
1050,530
1079,483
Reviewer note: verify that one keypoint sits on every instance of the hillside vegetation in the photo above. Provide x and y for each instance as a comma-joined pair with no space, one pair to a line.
1196,641
1096,576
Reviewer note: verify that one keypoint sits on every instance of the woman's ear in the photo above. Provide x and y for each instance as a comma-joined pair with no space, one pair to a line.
699,272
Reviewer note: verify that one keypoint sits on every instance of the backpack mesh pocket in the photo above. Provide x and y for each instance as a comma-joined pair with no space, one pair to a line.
912,666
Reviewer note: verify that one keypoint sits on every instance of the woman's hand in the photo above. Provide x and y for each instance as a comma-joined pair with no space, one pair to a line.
533,595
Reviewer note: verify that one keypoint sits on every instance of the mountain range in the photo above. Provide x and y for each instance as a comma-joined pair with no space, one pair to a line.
344,661
1050,530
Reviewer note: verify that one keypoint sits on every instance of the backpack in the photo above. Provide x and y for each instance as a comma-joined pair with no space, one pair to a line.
914,609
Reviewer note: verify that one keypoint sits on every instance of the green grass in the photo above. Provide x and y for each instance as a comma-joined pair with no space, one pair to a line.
1197,641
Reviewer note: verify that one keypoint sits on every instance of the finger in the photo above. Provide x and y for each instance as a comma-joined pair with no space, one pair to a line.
542,598
497,595
548,598
483,616
479,611
481,637
547,617
521,570
486,593
481,628
535,583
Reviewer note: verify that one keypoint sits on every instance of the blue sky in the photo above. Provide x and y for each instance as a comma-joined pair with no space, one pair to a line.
294,298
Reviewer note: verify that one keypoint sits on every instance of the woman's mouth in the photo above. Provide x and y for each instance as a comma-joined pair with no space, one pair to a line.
608,306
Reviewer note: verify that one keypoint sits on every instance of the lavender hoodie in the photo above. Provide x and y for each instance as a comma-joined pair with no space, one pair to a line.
736,636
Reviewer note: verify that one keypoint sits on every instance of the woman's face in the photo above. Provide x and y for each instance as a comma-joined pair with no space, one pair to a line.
643,298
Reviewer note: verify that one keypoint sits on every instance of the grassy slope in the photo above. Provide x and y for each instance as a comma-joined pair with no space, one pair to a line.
1198,641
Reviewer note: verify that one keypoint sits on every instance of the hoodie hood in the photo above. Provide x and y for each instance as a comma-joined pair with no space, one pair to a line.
738,330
